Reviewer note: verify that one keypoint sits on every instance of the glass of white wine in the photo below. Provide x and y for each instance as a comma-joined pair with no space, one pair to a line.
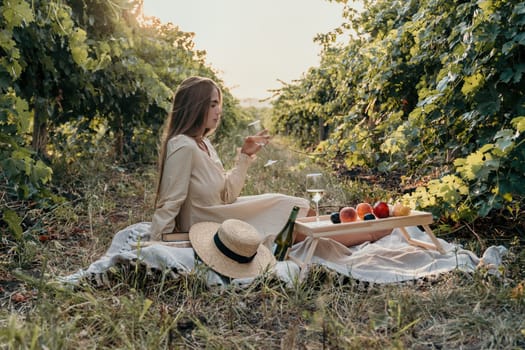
315,188
254,128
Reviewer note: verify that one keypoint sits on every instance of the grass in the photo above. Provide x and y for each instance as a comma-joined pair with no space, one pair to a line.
140,309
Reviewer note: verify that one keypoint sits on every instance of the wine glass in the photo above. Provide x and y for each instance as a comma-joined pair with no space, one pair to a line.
255,127
315,188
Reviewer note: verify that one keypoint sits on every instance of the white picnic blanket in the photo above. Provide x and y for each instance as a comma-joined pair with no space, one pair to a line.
388,260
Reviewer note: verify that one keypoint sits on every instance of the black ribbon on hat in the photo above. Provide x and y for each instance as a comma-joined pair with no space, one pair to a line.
230,253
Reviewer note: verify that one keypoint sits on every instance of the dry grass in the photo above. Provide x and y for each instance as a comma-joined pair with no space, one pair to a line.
141,310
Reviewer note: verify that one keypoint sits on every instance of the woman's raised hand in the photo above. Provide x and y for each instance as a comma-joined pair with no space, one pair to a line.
252,144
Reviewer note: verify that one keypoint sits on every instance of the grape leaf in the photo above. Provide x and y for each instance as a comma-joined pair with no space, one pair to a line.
14,222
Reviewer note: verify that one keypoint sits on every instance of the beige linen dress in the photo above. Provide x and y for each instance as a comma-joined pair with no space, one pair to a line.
195,188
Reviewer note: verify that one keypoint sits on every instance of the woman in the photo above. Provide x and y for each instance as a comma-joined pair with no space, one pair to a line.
193,185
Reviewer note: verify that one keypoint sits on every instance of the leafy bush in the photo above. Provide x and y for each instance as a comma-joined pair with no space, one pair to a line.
484,180
431,88
80,81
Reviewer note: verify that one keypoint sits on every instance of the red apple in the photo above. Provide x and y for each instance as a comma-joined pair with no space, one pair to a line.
348,214
381,210
363,209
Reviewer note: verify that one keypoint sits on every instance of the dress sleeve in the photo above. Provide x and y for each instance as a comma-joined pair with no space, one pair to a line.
234,179
173,190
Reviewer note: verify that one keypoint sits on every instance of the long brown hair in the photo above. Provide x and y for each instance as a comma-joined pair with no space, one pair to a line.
187,116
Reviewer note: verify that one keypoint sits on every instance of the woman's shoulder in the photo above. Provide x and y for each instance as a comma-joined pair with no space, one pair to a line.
181,141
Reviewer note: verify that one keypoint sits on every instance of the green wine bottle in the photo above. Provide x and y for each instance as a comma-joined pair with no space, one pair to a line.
284,239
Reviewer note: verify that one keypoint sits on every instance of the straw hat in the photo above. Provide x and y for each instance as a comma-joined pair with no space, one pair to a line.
233,248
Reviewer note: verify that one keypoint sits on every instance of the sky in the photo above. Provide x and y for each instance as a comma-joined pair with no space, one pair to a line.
252,44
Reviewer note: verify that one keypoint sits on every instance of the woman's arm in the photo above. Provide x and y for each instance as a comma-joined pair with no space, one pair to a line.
234,179
173,190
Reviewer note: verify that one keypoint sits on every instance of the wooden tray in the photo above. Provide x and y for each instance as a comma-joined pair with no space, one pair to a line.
309,227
